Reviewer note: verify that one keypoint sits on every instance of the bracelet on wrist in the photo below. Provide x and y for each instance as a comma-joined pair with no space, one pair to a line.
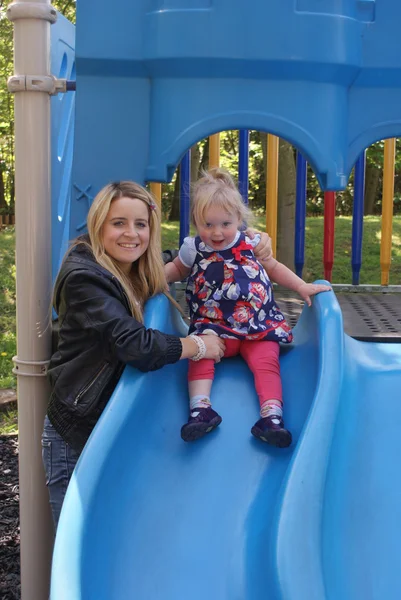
201,352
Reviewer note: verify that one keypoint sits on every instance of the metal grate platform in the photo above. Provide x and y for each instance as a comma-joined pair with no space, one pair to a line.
368,315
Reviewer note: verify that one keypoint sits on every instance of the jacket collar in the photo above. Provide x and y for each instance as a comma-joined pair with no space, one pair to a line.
80,257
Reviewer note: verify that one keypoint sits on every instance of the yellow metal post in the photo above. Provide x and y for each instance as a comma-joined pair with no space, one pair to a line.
272,189
214,151
156,189
387,209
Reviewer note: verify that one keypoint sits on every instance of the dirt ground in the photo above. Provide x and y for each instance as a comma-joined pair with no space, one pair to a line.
9,519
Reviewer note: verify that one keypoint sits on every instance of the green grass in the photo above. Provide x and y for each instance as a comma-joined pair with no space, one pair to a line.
342,272
370,272
9,422
7,306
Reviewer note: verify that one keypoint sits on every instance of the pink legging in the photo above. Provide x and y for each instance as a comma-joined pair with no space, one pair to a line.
262,357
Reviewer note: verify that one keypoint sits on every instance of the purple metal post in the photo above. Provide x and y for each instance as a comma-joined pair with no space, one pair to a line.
243,164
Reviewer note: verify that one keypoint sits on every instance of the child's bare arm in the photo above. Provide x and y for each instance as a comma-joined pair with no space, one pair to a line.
282,274
176,271
285,277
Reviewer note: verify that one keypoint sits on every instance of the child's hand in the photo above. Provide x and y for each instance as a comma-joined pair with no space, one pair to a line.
311,289
263,251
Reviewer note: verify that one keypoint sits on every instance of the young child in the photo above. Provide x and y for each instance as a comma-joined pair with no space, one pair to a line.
230,295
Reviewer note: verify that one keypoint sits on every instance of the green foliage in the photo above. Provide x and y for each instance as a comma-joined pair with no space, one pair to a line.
7,307
167,196
374,157
67,8
9,422
6,109
229,158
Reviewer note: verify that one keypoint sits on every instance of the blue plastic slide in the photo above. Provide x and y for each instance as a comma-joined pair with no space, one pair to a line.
149,517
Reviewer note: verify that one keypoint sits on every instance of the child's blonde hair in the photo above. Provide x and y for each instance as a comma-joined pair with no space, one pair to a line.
147,277
217,188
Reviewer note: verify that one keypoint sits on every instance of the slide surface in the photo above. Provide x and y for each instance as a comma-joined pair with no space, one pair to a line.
149,517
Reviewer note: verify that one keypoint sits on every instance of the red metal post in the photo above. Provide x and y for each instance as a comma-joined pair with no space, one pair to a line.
329,220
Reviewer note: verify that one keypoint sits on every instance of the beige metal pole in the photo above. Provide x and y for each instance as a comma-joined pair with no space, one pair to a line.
33,261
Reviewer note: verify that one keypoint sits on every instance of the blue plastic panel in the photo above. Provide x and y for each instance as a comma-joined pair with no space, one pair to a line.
226,518
62,137
147,516
174,72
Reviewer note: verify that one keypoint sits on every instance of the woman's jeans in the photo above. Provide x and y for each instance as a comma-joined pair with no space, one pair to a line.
59,460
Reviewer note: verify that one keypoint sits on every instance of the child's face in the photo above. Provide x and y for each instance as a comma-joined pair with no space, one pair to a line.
219,228
126,231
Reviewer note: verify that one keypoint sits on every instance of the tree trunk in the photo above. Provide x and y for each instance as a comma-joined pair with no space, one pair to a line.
286,204
286,199
204,165
195,160
372,175
263,141
175,204
194,170
12,190
3,203
263,173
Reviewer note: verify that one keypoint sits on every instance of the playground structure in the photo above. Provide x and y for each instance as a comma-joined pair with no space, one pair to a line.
301,183
139,106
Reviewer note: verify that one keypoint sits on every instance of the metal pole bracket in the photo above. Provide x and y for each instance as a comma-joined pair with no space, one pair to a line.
31,10
30,368
37,83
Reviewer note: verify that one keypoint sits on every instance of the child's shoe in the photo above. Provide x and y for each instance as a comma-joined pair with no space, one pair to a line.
271,430
201,421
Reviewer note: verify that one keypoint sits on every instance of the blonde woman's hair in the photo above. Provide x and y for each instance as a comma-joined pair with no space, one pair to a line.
217,188
147,277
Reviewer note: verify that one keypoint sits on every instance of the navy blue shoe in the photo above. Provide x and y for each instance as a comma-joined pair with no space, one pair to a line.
271,430
201,421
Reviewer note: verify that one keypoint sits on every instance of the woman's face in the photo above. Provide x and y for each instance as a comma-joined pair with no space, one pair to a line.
126,231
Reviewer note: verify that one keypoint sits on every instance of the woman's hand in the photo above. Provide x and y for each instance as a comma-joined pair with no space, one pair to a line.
215,347
263,251
306,290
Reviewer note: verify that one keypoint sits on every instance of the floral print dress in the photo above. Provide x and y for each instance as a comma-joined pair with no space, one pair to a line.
230,293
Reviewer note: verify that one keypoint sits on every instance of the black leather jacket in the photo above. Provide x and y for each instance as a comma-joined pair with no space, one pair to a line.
97,337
